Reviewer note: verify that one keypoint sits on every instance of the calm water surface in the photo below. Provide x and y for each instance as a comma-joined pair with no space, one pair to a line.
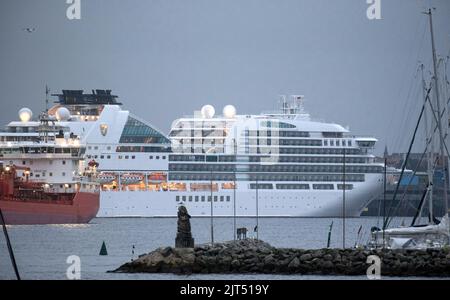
42,250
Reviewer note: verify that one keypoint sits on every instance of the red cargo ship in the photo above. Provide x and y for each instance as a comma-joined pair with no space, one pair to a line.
25,202
44,178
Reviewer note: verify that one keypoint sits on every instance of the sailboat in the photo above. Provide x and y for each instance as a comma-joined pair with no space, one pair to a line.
435,234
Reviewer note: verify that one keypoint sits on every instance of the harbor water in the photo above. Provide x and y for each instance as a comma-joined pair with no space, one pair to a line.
41,251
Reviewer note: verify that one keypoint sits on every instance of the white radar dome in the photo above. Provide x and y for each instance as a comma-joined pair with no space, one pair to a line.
208,111
62,114
25,114
229,111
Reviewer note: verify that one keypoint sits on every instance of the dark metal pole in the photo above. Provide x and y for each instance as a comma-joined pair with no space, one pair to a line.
343,201
234,205
257,212
8,242
384,199
212,209
329,234
234,190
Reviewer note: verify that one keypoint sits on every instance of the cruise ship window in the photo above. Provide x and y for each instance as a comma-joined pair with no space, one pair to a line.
136,131
96,148
89,147
343,143
177,198
221,198
209,198
108,156
190,198
203,198
102,157
133,157
157,157
228,198
215,198
184,198
325,142
126,157
63,162
164,157
331,143
347,186
349,142
95,156
196,198
151,157
63,173
23,162
108,148
50,174
120,157
337,143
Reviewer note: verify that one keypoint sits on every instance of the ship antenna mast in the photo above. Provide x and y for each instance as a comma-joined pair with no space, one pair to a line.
47,91
283,104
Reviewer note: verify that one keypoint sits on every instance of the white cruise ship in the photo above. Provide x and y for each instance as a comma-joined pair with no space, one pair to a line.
271,164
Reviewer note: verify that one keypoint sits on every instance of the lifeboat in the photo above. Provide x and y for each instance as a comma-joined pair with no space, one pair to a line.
105,178
157,177
131,178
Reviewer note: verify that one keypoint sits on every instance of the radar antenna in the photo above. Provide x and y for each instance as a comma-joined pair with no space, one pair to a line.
47,91
283,104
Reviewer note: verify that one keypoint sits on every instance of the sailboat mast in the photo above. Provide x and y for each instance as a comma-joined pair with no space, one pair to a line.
438,106
428,140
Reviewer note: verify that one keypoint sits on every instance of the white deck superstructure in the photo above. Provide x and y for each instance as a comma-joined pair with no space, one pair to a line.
271,164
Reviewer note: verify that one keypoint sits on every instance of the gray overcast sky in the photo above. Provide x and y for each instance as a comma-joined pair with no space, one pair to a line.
166,58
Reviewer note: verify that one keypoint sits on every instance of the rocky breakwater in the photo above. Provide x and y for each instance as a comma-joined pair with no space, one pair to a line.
255,256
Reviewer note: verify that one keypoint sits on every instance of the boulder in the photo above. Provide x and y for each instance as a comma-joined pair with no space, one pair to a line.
294,264
305,257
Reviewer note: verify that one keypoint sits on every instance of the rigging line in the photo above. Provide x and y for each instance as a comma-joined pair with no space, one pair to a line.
10,249
426,148
379,212
412,111
415,170
397,107
404,122
407,156
436,119
413,175
421,158
409,182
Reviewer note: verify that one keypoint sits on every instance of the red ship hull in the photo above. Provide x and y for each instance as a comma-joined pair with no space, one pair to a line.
83,208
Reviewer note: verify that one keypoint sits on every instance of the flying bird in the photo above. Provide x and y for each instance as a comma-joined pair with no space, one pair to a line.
29,29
